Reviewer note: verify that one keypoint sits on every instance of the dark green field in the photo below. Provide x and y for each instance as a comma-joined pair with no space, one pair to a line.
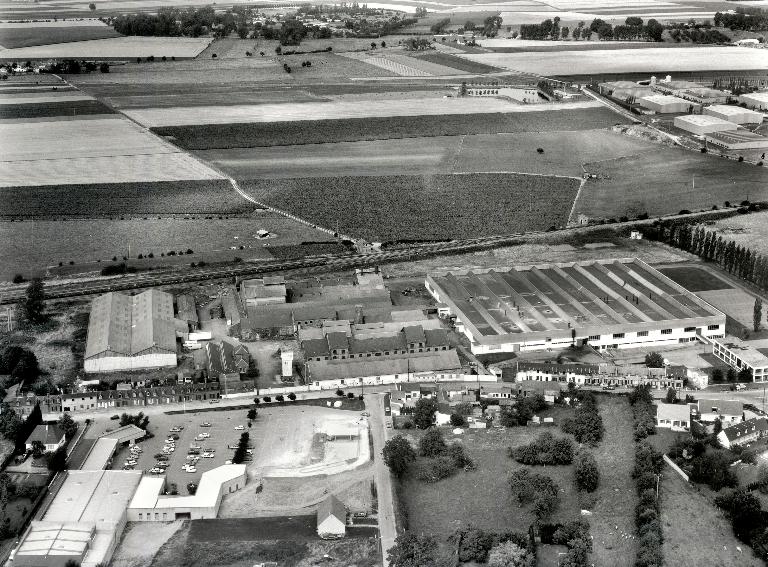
423,207
31,35
222,136
116,199
49,109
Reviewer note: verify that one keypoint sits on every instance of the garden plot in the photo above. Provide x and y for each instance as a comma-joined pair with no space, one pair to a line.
113,48
565,63
289,112
396,67
41,98
90,151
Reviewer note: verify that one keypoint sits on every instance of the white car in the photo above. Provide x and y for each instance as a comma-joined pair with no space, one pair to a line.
191,470
130,463
239,427
208,455
249,451
156,470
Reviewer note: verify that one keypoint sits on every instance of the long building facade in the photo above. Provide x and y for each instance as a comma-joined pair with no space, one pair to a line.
610,304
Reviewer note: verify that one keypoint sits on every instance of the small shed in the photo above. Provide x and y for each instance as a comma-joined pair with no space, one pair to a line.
331,518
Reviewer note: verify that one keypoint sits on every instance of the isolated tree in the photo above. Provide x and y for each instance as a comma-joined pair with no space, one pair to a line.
68,425
757,314
432,443
564,32
398,455
585,471
251,414
292,396
424,413
33,304
58,460
38,448
654,360
458,420
91,6
464,409
671,396
509,554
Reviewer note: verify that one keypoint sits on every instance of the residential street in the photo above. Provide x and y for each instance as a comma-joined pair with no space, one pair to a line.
387,528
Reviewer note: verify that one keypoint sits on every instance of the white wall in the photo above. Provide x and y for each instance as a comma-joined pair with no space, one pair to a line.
116,363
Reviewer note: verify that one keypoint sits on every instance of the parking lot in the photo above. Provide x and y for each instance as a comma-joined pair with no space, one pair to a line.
222,433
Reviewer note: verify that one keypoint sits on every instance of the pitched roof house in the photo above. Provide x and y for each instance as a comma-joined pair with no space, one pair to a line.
676,417
743,433
331,518
50,435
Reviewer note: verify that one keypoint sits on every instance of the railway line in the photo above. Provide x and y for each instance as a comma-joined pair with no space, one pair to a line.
53,290
191,275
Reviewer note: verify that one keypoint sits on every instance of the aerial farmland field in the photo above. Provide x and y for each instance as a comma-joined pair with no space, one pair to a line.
112,48
564,153
220,136
424,207
659,60
68,109
90,151
44,33
748,230
34,245
671,180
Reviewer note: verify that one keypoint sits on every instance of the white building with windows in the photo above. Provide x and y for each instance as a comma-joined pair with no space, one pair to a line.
676,417
609,304
740,354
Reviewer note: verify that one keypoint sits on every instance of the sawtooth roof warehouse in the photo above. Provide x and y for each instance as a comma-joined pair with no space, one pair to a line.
609,304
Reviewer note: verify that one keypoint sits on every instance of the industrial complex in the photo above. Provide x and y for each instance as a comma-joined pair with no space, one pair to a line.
607,304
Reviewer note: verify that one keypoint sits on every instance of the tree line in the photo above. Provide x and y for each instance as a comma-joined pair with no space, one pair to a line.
632,29
743,18
738,260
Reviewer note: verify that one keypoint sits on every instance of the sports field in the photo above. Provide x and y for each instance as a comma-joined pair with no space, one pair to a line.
666,181
109,150
660,60
748,230
112,48
424,207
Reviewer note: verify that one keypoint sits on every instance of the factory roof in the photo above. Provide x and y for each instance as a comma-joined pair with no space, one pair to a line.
761,96
185,305
705,120
147,492
56,538
99,455
441,361
536,302
128,325
414,334
208,491
663,99
750,352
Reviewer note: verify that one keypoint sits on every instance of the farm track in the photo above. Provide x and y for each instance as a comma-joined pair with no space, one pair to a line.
13,294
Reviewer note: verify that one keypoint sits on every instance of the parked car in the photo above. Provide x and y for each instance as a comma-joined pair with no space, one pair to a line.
239,427
205,424
156,470
208,455
191,470
233,447
130,463
365,414
214,401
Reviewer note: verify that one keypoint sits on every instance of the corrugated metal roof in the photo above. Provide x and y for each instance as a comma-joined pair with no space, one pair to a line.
127,325
441,361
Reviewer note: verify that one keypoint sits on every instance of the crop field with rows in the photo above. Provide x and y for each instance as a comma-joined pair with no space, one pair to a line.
214,196
424,207
222,136
50,109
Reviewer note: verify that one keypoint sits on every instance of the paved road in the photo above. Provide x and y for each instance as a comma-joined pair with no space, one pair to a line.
387,528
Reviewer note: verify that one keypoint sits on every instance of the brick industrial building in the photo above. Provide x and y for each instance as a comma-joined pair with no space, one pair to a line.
608,304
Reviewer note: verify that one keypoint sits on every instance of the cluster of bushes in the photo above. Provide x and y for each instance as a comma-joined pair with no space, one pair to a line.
699,36
398,455
522,412
703,464
278,398
20,365
440,460
574,535
747,518
643,412
546,449
539,489
117,269
747,19
648,464
586,425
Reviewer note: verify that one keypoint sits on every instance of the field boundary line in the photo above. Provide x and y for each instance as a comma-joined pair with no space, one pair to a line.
512,173
576,200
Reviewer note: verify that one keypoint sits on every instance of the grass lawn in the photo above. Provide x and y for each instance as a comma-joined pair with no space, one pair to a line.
695,531
695,279
482,497
668,184
612,519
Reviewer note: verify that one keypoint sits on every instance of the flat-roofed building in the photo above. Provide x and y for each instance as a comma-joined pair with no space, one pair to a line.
149,504
610,304
83,522
735,114
187,310
624,90
703,95
665,104
701,124
737,140
131,332
756,101
740,354
263,291
676,417
673,87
